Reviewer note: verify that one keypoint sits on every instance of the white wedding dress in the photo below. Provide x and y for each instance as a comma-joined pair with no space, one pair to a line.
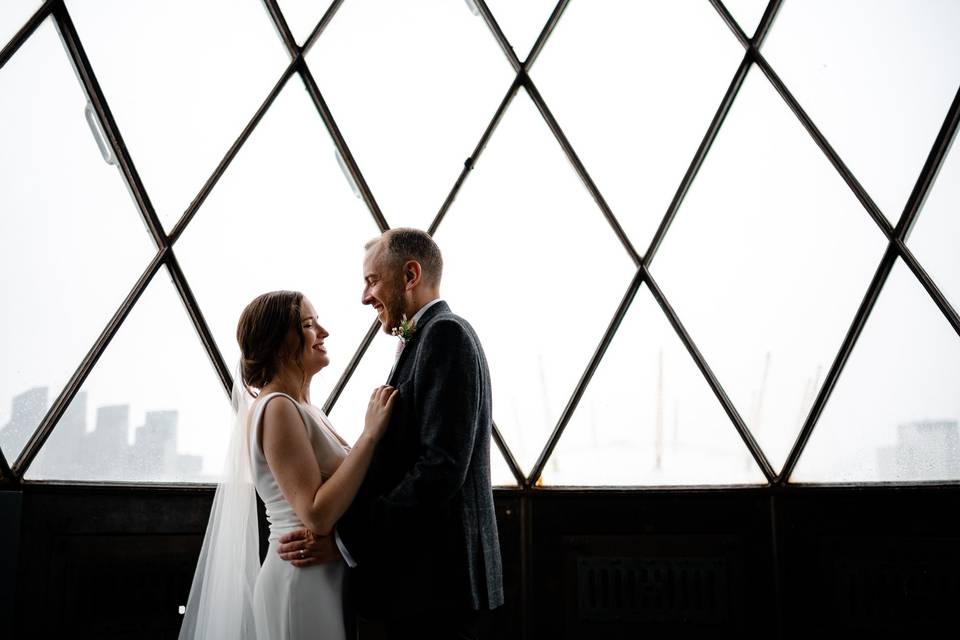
291,602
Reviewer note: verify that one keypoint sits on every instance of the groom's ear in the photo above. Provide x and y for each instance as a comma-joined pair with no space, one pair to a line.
412,273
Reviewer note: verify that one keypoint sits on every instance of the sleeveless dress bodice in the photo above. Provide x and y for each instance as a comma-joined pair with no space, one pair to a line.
326,447
294,603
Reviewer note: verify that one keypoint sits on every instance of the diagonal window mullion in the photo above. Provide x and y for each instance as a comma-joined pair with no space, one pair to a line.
472,159
5,472
324,21
895,248
581,387
199,322
545,34
808,124
498,35
728,406
822,142
60,405
91,86
508,456
351,367
280,22
766,22
732,23
341,144
24,33
94,92
579,167
708,139
211,182
317,97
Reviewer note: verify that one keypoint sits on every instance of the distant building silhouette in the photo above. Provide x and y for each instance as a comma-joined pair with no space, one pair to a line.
72,453
925,450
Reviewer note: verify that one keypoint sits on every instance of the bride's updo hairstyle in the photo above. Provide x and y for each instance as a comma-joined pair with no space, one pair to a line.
262,334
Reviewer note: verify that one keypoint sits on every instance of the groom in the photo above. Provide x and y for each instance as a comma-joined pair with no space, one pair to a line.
421,534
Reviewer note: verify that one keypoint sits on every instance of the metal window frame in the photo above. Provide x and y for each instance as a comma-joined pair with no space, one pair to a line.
165,242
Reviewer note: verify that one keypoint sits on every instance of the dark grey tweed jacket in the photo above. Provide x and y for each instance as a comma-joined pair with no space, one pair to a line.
422,528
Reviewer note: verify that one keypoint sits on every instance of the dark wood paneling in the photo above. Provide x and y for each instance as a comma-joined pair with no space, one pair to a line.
881,561
10,505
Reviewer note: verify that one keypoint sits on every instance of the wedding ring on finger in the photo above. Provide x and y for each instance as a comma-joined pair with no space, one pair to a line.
301,554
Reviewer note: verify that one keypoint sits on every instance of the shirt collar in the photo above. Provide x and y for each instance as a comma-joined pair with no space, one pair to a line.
423,309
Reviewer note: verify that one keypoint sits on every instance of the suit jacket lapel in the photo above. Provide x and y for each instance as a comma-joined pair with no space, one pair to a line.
425,319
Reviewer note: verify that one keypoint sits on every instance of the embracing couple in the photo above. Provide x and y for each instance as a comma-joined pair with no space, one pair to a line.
398,529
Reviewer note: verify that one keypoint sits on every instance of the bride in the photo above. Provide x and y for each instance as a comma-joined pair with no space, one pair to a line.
303,471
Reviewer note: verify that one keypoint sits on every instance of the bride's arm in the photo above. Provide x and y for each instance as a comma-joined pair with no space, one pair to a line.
319,504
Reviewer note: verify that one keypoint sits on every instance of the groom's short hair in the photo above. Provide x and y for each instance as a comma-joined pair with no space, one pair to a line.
405,243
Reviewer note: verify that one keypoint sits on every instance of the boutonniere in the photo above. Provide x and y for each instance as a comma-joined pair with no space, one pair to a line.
405,330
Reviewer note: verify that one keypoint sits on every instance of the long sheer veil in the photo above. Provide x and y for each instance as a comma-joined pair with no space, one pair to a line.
221,597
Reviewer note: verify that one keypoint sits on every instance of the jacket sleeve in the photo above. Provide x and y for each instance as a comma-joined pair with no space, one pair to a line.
448,385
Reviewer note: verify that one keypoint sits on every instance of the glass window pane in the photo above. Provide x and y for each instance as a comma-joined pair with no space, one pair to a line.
747,13
876,77
766,264
412,86
283,217
649,417
531,262
936,233
521,22
182,81
635,115
13,15
302,16
72,244
151,410
895,411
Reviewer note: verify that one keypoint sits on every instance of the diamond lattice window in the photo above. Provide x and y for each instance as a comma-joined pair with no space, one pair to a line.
704,243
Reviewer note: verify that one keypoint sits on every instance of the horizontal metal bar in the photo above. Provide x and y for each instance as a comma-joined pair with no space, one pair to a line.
199,322
545,34
712,380
351,367
60,405
625,302
24,33
191,211
322,25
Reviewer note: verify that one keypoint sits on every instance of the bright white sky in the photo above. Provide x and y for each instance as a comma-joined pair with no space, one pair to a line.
765,264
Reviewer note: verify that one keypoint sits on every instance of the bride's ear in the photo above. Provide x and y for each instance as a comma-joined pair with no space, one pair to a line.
412,273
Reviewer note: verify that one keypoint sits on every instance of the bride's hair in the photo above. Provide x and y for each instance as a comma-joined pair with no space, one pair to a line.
262,333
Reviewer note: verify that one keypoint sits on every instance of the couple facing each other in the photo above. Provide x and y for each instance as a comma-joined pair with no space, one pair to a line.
400,527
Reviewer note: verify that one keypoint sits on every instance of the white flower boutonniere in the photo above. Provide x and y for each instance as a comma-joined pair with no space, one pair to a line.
405,330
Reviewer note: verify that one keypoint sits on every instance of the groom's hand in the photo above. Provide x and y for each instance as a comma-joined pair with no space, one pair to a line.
303,548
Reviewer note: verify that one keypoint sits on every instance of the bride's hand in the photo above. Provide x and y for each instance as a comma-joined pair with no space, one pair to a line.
378,411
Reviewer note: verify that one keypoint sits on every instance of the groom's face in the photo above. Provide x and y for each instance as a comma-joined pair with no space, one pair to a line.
383,288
